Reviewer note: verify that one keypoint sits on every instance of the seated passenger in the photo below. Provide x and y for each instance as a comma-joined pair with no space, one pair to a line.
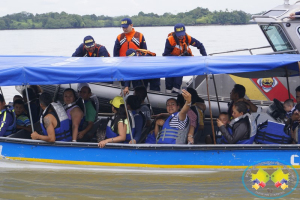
241,129
90,114
141,92
294,124
133,104
7,118
193,119
54,121
288,106
15,98
23,121
224,118
74,112
238,94
117,127
34,104
198,106
175,128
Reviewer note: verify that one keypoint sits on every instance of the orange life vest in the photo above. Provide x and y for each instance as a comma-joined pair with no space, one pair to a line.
130,40
144,52
180,46
96,51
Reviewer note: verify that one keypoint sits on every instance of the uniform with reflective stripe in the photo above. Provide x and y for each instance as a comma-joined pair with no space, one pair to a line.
8,110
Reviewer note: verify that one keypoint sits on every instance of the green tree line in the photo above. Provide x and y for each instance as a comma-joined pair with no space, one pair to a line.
54,20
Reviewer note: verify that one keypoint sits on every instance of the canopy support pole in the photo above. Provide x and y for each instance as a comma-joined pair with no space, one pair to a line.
2,93
211,117
56,92
29,109
152,113
216,93
287,81
126,113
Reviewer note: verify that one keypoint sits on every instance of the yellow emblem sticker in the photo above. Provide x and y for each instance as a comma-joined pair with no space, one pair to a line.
179,29
124,22
88,41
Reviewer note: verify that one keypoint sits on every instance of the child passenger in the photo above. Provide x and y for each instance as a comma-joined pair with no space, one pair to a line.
288,106
224,118
23,121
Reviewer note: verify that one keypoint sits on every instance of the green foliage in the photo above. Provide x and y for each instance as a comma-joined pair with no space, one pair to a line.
55,20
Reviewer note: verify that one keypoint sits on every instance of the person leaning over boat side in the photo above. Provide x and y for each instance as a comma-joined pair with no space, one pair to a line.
117,128
176,127
129,39
74,112
141,92
54,121
178,44
240,126
237,94
90,114
7,118
89,48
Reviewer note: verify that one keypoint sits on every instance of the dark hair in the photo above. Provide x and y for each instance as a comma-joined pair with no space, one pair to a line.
241,107
289,102
141,92
37,89
298,89
73,91
18,101
173,100
1,98
240,90
179,101
223,113
119,116
195,97
31,94
45,99
134,102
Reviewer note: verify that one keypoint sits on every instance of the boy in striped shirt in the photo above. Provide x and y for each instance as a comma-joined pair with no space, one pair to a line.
23,121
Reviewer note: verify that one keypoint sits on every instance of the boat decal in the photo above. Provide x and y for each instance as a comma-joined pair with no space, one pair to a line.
252,90
69,162
293,160
271,87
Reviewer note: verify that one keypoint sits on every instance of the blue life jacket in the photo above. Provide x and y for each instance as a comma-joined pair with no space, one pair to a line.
272,133
111,134
170,135
10,111
63,128
253,128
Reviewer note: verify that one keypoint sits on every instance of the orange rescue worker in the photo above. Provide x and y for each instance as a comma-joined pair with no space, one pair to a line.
178,44
129,39
90,49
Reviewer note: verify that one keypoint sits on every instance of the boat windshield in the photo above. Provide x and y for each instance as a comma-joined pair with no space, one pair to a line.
276,37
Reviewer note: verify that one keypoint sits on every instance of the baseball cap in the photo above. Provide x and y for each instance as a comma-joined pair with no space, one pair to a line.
126,22
117,101
131,52
89,41
81,85
179,29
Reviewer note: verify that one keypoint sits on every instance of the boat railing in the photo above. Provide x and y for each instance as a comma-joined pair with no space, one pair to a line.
240,50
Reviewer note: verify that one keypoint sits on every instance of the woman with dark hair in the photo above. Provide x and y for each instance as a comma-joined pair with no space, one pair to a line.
241,129
74,112
117,128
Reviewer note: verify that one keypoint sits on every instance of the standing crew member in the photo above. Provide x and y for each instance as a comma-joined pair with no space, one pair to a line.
90,49
178,44
129,39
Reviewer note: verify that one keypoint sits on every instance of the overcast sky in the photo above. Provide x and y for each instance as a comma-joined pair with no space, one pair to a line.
132,7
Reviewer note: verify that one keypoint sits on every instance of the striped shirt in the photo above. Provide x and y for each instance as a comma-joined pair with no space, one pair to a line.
176,123
23,120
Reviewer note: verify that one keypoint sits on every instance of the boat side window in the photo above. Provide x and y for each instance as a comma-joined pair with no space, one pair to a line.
276,37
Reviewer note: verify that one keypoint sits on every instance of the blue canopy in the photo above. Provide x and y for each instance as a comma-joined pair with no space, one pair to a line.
44,70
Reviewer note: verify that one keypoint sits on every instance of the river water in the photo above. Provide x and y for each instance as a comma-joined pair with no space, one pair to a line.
40,182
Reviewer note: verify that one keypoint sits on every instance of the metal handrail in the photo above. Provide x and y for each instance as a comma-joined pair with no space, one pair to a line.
237,50
263,16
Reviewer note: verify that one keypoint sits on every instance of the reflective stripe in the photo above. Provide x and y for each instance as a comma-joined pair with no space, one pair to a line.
3,121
